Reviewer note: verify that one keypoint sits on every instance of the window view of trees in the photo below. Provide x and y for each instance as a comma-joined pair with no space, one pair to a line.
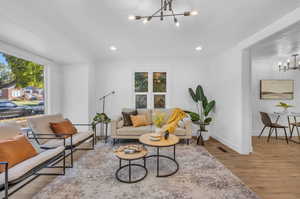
21,87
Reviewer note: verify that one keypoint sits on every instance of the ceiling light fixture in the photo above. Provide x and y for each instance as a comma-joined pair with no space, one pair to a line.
131,17
165,10
287,65
198,48
113,48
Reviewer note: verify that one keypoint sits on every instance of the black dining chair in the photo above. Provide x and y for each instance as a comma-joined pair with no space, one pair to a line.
266,120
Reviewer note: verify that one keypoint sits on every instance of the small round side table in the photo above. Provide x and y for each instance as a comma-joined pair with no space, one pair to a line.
170,142
131,157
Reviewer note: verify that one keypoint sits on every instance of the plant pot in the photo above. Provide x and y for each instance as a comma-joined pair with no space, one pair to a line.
206,134
203,127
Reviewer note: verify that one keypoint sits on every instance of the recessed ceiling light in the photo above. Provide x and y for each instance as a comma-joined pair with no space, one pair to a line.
198,48
113,48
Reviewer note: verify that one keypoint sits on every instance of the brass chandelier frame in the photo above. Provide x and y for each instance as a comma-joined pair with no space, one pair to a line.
165,10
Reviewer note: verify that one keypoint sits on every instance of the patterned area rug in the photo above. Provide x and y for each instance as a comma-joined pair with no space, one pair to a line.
200,175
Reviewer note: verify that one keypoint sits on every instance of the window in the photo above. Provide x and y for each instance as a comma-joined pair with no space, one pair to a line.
21,87
150,90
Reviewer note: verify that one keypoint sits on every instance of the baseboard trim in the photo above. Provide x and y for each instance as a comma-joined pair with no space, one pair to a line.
228,144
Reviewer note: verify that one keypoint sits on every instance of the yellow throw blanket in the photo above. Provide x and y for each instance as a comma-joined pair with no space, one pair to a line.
172,122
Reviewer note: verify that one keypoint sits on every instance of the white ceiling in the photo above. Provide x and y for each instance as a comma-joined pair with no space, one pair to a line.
71,31
278,47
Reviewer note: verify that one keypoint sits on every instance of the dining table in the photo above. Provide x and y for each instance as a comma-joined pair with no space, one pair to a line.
291,118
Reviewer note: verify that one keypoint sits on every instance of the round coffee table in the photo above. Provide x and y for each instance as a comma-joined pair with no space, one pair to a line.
131,157
170,142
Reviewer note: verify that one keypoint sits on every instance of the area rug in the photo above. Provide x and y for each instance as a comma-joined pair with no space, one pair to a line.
200,175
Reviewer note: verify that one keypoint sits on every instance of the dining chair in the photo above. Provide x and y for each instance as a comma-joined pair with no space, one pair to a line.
295,125
266,120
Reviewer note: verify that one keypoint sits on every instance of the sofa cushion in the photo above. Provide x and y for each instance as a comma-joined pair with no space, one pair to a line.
139,120
9,130
64,127
22,168
147,113
127,118
134,131
15,150
76,138
180,132
120,124
41,124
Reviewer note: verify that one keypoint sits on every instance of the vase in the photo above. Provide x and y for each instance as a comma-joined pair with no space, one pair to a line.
157,130
285,110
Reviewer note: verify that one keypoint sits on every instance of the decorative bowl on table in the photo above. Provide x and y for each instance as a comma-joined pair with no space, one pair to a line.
155,137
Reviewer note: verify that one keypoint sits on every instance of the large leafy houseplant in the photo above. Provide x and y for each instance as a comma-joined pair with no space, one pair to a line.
204,106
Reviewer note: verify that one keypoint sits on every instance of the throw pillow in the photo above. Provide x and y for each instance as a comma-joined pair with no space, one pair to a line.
15,150
65,128
127,119
139,120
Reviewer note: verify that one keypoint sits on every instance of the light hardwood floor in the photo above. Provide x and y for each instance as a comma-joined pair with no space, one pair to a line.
272,170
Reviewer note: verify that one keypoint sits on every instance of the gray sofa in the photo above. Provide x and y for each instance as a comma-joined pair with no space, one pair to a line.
119,131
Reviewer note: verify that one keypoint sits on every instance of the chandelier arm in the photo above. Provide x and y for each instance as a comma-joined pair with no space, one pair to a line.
168,15
154,13
173,14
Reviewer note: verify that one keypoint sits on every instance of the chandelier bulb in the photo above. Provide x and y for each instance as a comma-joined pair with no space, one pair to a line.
194,13
131,17
145,21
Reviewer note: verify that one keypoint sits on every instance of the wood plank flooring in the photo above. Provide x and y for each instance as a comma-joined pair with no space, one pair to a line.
272,170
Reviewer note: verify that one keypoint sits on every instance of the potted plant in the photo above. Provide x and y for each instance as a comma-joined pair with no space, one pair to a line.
284,106
204,107
100,118
158,120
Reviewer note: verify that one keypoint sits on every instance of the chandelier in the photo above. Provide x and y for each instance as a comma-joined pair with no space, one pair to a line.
287,66
165,10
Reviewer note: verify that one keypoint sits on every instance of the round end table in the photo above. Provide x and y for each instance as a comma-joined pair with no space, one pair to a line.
131,157
170,142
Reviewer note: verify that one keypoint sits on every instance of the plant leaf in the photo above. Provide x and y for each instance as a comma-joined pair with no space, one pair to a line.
204,103
194,116
193,95
209,107
200,93
208,120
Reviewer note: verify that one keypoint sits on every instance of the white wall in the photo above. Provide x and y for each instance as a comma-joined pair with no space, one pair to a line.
75,103
232,88
267,69
118,76
227,90
53,88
